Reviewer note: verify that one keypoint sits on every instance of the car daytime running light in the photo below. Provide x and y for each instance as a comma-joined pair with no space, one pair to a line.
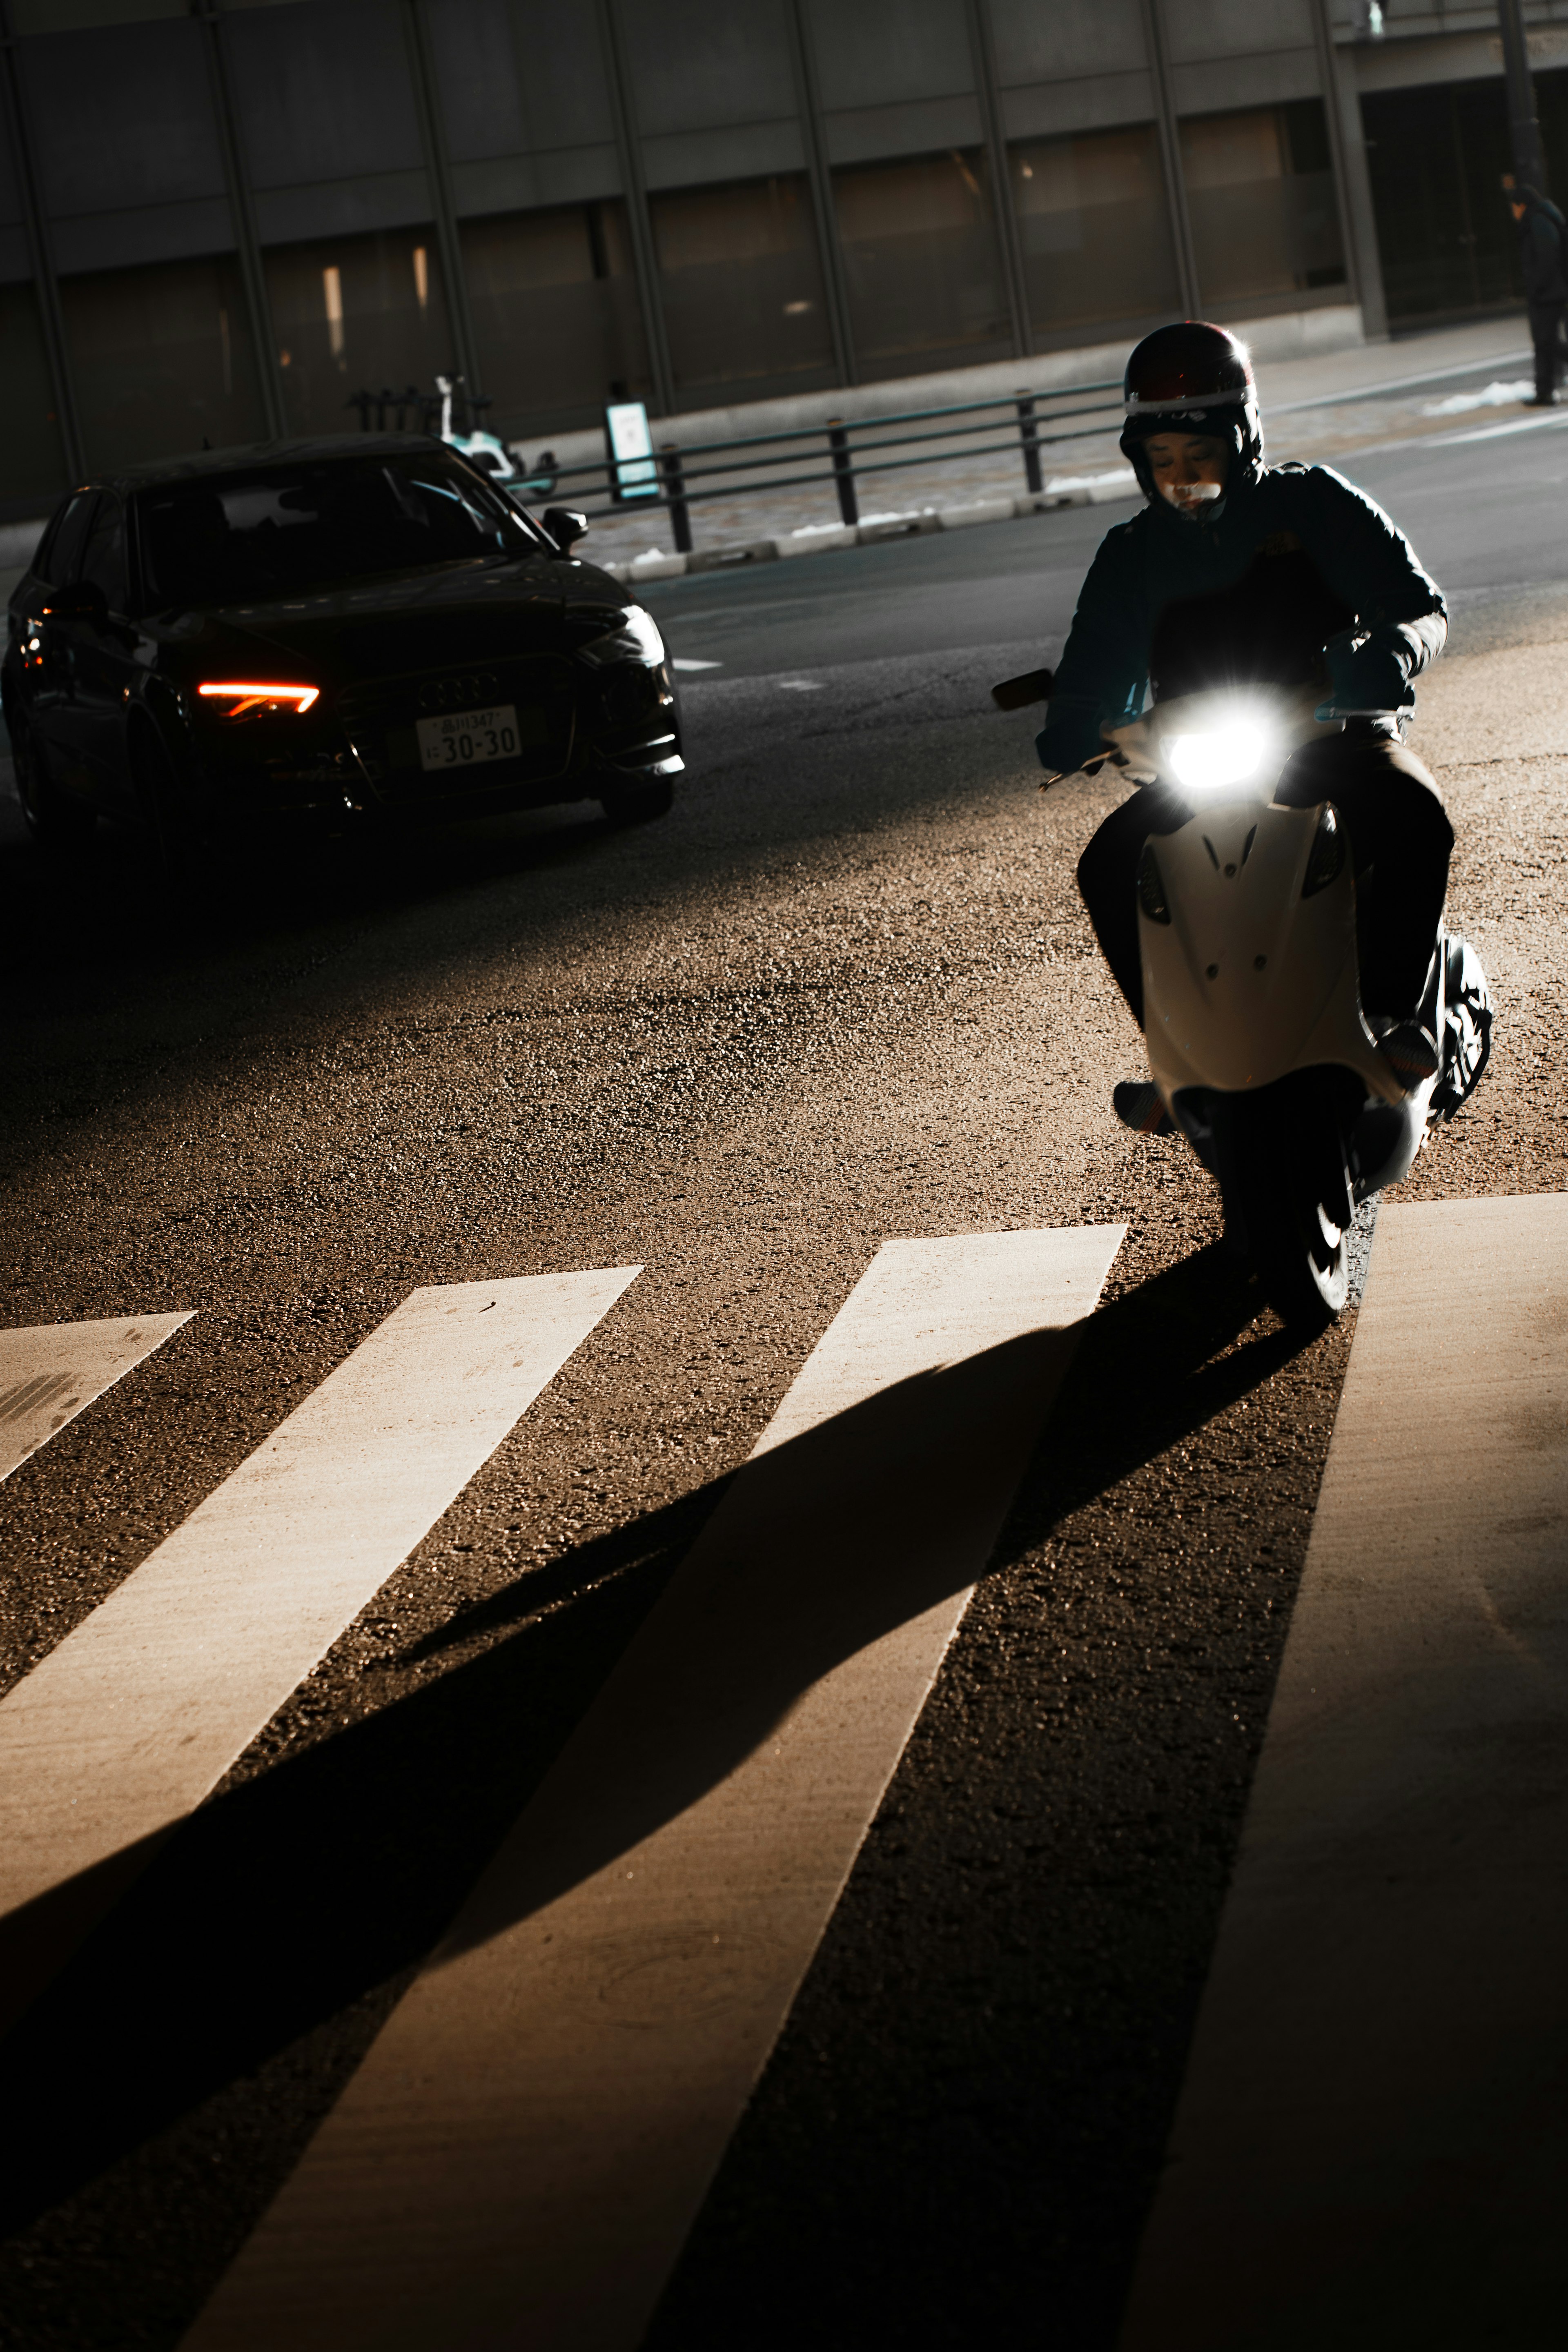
247,696
635,638
1220,756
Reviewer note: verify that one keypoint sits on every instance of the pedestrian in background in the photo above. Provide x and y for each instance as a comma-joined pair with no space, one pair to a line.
1543,253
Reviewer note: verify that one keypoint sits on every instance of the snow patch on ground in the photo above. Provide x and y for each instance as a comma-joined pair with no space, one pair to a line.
1496,396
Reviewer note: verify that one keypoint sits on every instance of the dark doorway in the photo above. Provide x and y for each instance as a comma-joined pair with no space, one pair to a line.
1446,238
1436,156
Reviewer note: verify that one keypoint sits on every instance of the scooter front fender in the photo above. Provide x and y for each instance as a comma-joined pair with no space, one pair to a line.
1249,978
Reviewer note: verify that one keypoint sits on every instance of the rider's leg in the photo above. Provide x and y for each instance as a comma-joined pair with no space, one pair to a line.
1107,883
1401,840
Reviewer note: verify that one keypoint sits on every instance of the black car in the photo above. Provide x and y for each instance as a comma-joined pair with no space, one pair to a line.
324,634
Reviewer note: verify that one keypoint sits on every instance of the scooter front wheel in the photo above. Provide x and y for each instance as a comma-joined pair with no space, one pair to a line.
1298,1251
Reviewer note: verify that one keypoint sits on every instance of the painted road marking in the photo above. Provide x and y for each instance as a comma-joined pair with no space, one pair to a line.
123,1728
522,2155
1371,2140
51,1372
686,661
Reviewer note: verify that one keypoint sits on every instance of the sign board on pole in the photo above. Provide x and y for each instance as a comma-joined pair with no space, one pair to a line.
635,472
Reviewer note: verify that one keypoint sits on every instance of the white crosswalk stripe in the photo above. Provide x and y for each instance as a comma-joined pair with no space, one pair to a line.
50,1371
524,2149
1371,2140
124,1728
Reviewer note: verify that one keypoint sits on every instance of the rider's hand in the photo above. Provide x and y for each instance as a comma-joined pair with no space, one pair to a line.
1366,676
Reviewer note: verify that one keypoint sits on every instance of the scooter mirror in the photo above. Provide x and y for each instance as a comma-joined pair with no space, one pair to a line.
1018,693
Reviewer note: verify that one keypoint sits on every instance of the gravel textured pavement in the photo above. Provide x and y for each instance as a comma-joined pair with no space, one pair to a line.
845,991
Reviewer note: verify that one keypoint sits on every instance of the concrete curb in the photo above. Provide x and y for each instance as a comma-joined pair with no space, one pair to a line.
869,535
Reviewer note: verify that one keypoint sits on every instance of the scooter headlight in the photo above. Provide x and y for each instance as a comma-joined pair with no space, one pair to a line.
1220,756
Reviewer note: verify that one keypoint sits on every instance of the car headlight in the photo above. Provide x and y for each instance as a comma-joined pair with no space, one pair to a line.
636,638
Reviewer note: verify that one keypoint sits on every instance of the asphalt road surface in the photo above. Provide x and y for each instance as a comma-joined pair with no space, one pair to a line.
404,1610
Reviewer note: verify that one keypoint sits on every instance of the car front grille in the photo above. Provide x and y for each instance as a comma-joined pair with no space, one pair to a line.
380,716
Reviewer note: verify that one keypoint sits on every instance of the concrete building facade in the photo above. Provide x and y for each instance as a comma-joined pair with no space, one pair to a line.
225,218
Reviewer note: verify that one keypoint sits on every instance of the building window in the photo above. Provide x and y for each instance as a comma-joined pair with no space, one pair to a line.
1095,231
555,313
921,262
1436,156
161,359
741,279
32,462
1260,197
354,315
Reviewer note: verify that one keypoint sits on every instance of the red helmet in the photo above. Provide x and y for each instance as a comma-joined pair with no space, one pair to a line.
1199,379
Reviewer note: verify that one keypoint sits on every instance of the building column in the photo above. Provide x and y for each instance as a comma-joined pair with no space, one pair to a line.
645,259
813,135
982,49
1171,157
1353,181
438,175
40,252
242,215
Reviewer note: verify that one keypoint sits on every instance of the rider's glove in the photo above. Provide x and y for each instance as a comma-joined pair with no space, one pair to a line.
1366,676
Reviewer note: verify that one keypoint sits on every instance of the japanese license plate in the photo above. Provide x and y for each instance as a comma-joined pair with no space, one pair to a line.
467,739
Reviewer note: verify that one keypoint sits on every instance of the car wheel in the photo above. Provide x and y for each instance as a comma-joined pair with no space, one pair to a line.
53,818
637,804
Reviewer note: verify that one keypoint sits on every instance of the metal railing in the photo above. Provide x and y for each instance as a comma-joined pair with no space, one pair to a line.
1032,428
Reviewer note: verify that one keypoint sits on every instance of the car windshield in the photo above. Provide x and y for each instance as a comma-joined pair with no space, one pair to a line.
269,533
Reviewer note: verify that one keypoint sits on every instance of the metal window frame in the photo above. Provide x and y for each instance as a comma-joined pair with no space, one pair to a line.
1171,156
983,59
41,256
242,218
645,259
814,128
438,178
1353,182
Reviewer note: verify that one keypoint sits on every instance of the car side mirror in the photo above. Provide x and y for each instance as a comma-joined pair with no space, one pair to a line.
565,526
80,600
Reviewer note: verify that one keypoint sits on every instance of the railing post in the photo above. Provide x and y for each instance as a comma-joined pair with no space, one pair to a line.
674,474
843,476
1029,434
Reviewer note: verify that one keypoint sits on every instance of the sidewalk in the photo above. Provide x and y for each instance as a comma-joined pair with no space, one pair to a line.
1317,408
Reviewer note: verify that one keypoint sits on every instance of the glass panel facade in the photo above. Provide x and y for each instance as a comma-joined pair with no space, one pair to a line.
32,463
1094,229
921,262
555,311
742,281
161,360
1436,156
355,314
1260,196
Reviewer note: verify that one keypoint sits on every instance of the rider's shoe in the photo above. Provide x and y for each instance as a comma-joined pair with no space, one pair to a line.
1138,1106
1409,1051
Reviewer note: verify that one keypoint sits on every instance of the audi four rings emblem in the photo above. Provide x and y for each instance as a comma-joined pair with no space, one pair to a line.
458,693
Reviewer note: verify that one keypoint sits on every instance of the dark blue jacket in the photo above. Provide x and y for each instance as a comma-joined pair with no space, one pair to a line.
1161,558
1542,256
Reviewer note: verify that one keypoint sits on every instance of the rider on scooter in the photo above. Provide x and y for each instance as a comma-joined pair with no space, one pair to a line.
1238,573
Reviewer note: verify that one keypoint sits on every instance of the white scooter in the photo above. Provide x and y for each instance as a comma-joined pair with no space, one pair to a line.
1257,1045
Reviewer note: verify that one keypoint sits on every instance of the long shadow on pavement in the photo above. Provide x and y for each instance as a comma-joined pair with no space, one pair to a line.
218,2011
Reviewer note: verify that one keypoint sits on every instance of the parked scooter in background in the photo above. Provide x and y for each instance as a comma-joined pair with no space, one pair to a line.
481,448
